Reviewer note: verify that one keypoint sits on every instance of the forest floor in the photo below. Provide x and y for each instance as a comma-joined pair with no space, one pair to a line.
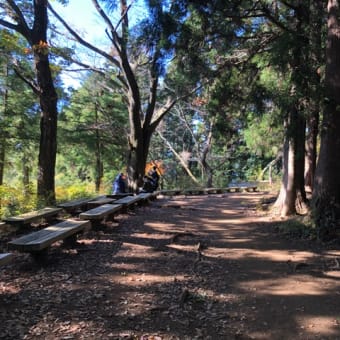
198,267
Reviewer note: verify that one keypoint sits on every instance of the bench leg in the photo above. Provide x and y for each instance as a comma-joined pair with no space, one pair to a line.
96,224
40,257
70,241
111,217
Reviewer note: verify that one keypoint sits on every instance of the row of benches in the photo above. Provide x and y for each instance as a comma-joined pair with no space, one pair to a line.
67,230
203,191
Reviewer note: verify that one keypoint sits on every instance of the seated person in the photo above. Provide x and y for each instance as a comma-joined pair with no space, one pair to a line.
151,180
118,185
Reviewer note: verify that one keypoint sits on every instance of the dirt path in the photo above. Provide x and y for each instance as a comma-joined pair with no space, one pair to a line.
200,267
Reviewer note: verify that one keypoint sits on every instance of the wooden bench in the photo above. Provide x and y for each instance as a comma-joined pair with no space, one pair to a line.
38,242
251,188
47,213
213,190
129,201
146,197
96,215
248,186
5,258
242,186
75,205
99,201
233,189
117,196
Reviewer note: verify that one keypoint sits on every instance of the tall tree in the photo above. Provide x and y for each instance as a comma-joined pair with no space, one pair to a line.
35,32
137,59
291,19
326,194
314,100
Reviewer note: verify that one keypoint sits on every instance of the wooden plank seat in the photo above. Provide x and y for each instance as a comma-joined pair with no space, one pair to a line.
47,213
75,205
233,189
251,188
99,201
213,190
154,195
146,197
248,186
129,201
5,258
105,211
38,241
117,196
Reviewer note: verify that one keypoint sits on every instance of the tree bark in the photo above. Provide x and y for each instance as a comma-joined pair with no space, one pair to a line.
316,16
48,104
292,197
311,149
44,88
326,194
3,142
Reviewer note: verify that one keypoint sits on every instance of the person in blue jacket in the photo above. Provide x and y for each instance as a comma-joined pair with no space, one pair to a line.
118,185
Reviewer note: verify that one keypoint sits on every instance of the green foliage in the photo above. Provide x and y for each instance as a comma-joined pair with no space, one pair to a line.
263,136
74,191
15,200
92,129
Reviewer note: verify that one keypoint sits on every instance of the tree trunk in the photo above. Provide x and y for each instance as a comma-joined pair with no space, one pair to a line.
292,196
326,194
99,163
137,154
99,167
3,143
206,167
2,161
285,202
311,149
315,60
48,103
301,203
26,174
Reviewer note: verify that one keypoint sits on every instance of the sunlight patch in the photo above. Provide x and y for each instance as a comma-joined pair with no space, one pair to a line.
320,325
269,255
284,287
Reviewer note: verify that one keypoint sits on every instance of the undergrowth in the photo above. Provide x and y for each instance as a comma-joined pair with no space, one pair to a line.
14,200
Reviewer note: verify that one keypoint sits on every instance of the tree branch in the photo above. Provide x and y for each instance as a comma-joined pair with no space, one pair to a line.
178,156
21,26
81,40
31,83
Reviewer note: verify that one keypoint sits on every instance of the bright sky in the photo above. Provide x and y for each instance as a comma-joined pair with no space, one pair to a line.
83,18
81,15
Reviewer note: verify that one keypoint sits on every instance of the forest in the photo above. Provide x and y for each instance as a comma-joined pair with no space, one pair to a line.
214,92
